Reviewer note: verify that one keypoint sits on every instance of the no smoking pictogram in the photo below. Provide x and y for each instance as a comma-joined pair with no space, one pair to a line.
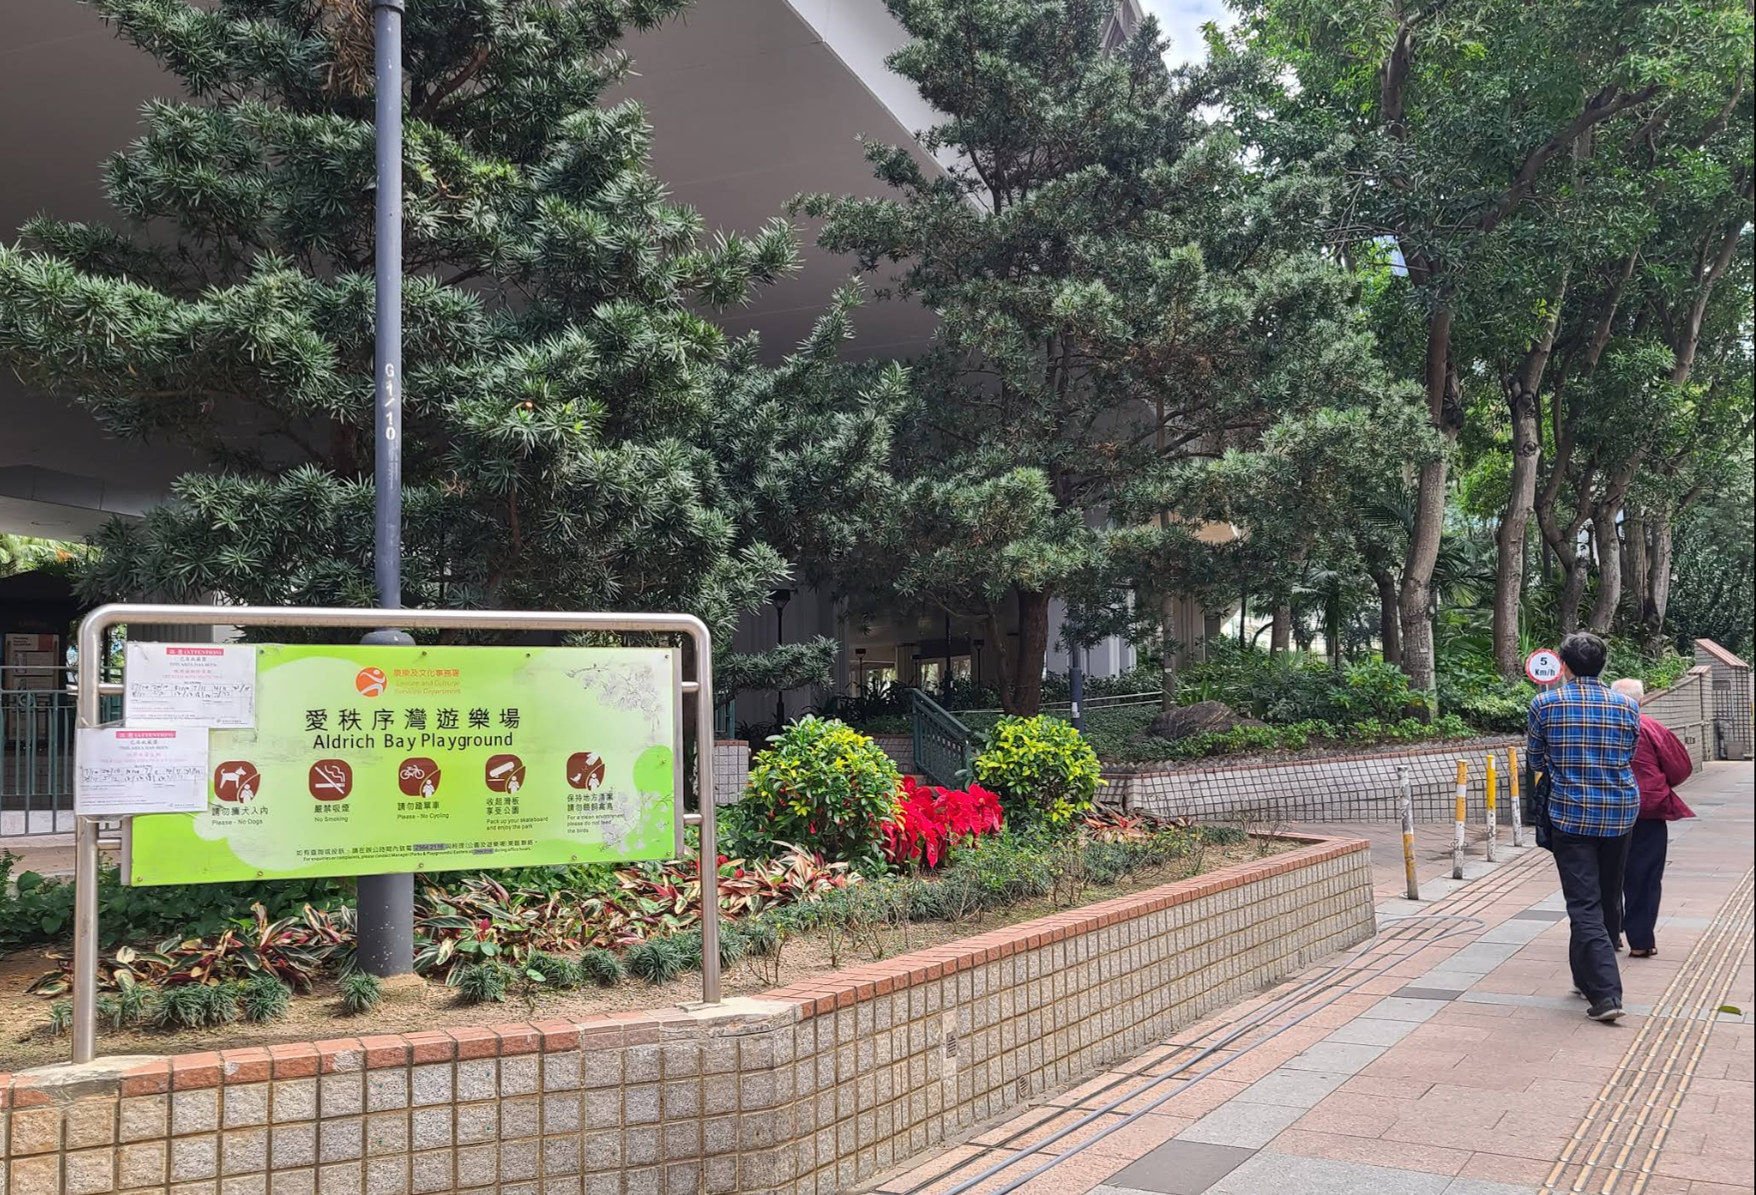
330,779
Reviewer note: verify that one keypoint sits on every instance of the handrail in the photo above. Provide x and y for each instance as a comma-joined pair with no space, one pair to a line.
943,746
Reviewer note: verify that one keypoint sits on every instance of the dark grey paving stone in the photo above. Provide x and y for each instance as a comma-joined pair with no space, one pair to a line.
1416,992
1539,915
1181,1168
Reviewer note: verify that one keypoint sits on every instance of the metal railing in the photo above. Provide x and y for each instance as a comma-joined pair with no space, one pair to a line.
944,749
36,755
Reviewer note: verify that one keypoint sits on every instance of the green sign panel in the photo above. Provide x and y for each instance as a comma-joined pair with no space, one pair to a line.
366,760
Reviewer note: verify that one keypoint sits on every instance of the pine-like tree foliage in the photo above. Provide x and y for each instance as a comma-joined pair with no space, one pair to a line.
1123,303
577,433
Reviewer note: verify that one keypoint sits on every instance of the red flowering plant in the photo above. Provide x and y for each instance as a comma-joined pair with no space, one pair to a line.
931,821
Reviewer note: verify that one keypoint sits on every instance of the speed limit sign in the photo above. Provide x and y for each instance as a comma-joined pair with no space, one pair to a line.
1543,666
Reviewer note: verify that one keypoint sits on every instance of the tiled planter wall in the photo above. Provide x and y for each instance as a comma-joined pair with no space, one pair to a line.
731,770
808,1090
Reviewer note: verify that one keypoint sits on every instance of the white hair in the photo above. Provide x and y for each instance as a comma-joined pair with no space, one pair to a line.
1631,686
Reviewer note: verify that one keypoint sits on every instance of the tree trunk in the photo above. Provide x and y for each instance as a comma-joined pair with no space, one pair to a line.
1280,632
1527,442
1332,629
1389,616
1607,536
1633,603
1572,593
1415,600
1167,612
1510,540
1658,591
1033,650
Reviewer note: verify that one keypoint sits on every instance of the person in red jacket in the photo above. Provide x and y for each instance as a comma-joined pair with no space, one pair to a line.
1660,763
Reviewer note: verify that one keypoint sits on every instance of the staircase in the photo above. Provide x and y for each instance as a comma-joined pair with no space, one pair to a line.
944,748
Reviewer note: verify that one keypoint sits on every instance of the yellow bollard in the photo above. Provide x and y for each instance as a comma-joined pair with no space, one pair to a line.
1512,795
1493,784
1408,834
1462,825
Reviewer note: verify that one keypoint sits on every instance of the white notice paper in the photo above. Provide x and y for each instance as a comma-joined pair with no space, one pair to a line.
184,684
138,769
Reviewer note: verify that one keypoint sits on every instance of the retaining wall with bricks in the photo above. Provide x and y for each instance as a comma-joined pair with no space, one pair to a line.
807,1090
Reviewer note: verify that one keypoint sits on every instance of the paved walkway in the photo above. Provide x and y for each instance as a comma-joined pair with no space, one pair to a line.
1446,1057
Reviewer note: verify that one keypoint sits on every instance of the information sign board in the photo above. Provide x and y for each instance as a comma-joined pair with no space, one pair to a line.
371,759
186,684
131,770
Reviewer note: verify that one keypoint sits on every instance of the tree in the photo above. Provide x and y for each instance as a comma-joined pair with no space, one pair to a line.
1715,557
1450,120
577,434
1122,302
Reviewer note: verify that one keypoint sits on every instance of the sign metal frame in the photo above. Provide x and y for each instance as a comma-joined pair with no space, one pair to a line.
93,632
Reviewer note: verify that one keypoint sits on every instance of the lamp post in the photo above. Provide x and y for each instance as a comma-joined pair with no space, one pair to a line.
387,902
1076,684
779,599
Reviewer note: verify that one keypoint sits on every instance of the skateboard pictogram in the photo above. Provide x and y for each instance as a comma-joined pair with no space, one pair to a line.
236,780
504,773
330,780
370,682
585,769
418,777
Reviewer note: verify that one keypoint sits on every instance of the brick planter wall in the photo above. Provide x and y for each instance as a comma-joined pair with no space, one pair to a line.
807,1090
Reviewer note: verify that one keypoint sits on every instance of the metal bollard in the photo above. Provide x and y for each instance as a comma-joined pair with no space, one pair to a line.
1462,826
1408,833
1512,795
1493,785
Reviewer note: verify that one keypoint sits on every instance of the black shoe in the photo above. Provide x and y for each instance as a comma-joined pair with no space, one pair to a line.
1607,1010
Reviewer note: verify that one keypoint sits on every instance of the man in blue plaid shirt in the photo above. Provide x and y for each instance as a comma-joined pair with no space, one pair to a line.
1582,734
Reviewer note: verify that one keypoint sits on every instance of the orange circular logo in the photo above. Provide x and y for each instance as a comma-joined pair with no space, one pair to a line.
370,682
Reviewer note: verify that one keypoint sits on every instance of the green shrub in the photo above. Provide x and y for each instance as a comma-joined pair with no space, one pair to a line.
762,937
40,909
196,1006
130,1004
360,993
601,967
483,983
1044,772
263,998
658,960
824,786
551,972
734,945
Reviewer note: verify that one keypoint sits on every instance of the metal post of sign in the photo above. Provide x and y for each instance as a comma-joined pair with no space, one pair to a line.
94,627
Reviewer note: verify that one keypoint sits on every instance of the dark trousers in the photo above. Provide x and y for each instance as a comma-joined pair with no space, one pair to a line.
1591,880
1644,881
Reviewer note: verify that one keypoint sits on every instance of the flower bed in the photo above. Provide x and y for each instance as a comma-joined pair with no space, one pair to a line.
630,942
813,1088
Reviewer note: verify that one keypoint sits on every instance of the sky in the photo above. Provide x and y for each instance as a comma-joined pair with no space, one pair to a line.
1182,20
